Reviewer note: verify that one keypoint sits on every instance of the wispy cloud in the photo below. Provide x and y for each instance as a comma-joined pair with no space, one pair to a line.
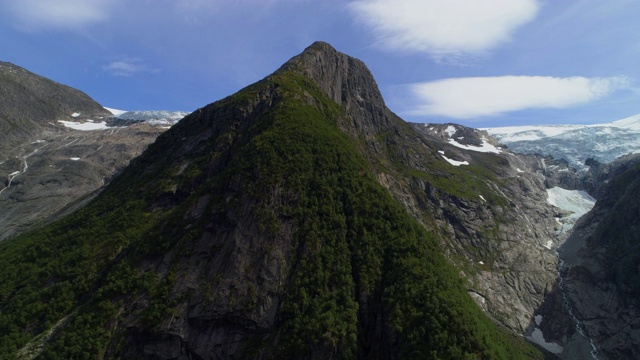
128,67
464,98
37,15
444,28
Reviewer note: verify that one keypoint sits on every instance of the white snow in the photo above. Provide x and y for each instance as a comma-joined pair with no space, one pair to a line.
75,114
538,338
485,147
450,130
154,117
529,132
87,126
519,170
482,197
441,152
632,122
455,162
603,142
575,201
14,173
115,112
481,262
75,158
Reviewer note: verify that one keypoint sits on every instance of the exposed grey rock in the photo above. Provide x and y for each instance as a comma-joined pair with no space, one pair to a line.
63,170
30,103
600,272
46,168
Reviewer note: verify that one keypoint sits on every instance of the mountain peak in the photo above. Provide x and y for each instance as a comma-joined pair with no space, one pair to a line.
346,80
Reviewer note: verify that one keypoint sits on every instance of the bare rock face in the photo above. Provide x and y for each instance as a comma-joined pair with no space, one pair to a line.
30,103
504,244
46,168
62,170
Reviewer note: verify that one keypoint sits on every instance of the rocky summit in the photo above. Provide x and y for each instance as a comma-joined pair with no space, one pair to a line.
301,218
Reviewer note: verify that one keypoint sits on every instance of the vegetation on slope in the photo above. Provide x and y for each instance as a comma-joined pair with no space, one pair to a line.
366,280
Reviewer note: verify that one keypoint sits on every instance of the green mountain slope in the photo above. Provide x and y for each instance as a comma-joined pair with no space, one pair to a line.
255,228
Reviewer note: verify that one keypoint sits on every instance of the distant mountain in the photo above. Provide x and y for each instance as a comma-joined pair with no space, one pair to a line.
57,149
574,143
151,117
30,103
297,218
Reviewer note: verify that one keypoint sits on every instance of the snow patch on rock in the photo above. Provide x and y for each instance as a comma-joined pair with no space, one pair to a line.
577,202
86,126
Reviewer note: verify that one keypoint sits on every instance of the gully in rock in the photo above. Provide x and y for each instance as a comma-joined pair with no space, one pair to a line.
567,305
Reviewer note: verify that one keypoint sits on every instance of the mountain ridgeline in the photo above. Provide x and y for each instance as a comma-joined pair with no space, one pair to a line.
259,226
48,168
28,102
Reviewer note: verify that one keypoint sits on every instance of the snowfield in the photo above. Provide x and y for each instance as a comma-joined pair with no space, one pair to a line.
538,338
485,147
86,126
575,143
577,202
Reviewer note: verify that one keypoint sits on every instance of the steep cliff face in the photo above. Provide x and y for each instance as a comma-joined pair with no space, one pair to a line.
600,272
490,207
260,226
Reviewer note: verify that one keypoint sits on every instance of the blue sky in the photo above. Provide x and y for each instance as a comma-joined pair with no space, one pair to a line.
478,63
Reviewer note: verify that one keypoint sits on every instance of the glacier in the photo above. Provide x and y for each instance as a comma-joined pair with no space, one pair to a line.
603,142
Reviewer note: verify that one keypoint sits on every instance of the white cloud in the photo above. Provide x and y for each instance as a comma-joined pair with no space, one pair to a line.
128,67
464,98
36,15
444,28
